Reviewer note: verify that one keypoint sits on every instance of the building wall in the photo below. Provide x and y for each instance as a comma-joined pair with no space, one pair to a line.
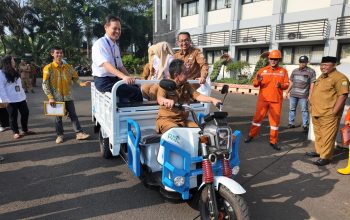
257,9
261,13
304,5
219,16
189,22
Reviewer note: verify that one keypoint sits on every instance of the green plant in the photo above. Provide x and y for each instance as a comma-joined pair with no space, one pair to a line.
237,67
133,64
216,69
240,81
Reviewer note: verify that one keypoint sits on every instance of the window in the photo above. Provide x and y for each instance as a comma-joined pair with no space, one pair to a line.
251,1
214,55
163,11
189,8
344,51
251,55
218,4
290,55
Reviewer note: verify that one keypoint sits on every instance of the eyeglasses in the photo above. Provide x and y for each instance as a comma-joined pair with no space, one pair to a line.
274,59
184,41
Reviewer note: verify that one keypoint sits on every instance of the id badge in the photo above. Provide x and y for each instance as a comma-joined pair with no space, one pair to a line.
17,88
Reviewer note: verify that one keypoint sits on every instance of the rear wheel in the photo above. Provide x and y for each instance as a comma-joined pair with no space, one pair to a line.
104,147
230,206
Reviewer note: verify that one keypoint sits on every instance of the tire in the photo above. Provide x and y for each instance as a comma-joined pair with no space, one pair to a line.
230,206
104,147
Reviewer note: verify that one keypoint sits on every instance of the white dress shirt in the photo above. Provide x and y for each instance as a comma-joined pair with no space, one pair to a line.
8,91
105,50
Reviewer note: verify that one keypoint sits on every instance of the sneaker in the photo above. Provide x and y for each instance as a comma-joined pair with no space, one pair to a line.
59,139
82,136
2,158
291,126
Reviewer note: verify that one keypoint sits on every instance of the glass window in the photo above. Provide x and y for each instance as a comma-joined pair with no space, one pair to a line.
287,55
211,5
254,55
300,51
192,8
220,4
345,51
217,55
184,10
317,54
243,55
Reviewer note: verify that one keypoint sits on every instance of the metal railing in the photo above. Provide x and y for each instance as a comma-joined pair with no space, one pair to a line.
214,38
302,30
343,26
248,35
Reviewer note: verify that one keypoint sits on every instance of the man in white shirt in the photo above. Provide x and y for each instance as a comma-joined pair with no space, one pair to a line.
107,66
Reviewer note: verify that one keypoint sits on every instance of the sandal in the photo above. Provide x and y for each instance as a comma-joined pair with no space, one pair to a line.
17,136
28,133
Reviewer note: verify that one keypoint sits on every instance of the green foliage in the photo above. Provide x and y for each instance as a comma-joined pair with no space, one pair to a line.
262,62
216,69
71,24
237,66
133,64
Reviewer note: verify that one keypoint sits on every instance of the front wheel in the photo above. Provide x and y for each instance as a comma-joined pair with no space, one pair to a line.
104,147
230,206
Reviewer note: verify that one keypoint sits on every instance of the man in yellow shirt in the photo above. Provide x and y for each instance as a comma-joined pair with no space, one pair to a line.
57,85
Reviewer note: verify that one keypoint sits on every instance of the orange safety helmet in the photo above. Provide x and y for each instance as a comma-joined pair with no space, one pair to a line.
275,54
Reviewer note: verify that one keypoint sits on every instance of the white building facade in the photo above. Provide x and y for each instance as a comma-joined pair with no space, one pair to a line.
246,28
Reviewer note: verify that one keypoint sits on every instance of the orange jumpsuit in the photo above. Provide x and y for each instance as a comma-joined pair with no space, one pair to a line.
269,100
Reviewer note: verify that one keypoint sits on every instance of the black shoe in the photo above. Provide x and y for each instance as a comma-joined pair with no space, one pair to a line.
306,128
26,91
312,154
291,126
248,139
32,91
322,162
275,146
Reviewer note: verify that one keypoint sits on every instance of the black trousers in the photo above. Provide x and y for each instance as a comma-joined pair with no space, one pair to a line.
4,118
126,93
13,109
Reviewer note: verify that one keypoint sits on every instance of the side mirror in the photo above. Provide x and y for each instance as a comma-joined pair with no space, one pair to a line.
224,89
167,85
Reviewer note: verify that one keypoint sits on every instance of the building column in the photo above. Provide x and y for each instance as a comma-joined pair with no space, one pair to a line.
331,44
277,13
235,18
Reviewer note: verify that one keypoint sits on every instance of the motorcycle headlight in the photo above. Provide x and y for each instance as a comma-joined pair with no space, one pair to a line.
235,170
223,138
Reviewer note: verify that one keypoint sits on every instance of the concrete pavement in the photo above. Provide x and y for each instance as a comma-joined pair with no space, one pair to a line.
42,180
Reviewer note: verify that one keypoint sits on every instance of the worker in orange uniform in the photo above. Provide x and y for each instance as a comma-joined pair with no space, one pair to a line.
346,170
272,80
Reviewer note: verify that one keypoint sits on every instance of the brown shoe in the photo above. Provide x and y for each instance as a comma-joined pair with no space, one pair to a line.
82,136
59,139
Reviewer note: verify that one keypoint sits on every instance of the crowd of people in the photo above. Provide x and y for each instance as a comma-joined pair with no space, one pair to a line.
324,96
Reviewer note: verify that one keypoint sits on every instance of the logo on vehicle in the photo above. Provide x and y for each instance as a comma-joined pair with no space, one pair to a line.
174,138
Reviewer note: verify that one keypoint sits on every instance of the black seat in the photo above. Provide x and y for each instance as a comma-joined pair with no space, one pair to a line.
149,136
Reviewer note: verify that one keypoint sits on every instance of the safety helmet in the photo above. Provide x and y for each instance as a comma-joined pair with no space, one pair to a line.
275,54
303,59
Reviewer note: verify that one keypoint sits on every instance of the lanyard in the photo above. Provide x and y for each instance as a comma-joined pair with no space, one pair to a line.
113,53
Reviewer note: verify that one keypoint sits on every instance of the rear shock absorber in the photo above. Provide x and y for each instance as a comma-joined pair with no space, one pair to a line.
207,171
226,169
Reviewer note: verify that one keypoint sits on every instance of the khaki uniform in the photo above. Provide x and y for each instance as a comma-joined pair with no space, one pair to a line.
169,118
25,71
194,61
326,91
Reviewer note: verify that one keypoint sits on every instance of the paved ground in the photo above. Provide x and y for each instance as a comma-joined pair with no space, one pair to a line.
42,180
